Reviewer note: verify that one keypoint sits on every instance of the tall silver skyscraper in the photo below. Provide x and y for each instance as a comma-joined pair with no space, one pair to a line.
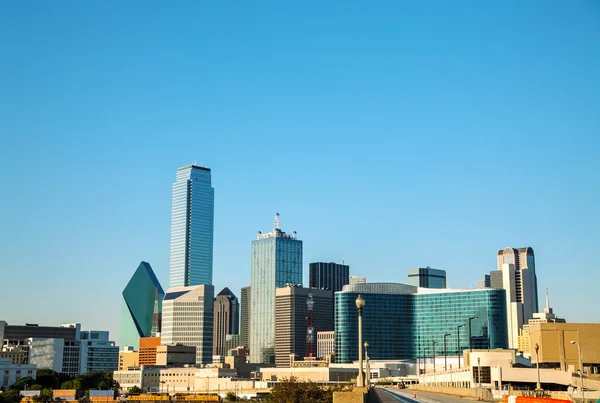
192,219
276,261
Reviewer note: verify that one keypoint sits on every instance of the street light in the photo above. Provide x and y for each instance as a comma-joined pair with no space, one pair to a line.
433,343
537,364
367,365
445,359
458,343
470,338
479,371
580,369
360,304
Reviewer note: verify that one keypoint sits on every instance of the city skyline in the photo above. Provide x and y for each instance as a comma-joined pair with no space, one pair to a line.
386,137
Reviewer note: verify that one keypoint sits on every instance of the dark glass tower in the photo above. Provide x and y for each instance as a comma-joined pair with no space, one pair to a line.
329,276
226,319
140,306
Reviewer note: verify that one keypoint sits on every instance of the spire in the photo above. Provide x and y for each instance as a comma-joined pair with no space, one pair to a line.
277,225
547,309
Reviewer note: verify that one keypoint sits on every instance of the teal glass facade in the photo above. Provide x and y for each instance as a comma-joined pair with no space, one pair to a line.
276,261
400,324
140,298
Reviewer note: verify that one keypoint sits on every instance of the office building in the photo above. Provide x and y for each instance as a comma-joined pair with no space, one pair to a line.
556,350
175,355
141,306
245,317
404,322
357,280
148,346
11,373
292,316
547,316
98,353
56,346
485,283
226,319
496,279
192,221
328,276
128,358
276,260
232,342
325,344
427,277
188,319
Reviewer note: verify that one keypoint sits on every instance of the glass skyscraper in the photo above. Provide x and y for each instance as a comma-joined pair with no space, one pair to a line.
192,219
141,302
276,261
403,322
328,276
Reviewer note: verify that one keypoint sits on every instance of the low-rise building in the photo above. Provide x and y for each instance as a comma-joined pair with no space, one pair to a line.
128,358
147,350
325,344
177,355
176,380
11,373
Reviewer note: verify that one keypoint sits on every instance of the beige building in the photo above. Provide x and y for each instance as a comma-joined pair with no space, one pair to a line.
555,348
128,359
314,374
325,344
175,380
16,354
547,316
148,347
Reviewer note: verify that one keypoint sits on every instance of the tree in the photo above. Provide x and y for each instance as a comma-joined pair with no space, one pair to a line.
44,397
231,396
134,390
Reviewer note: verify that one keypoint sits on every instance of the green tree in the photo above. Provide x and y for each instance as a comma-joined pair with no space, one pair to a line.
134,390
23,383
10,396
231,397
44,397
292,391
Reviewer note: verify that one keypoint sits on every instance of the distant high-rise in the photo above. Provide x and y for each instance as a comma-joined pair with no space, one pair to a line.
141,303
357,280
291,321
520,282
245,317
427,277
328,276
192,219
226,319
276,261
187,319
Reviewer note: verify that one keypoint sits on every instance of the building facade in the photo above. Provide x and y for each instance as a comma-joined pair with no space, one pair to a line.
526,290
328,276
141,306
192,223
128,358
427,277
291,321
226,319
325,344
98,353
148,346
405,322
245,317
276,261
11,373
188,319
357,280
547,316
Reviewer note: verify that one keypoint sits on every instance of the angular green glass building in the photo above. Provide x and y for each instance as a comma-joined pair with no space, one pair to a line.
404,322
141,307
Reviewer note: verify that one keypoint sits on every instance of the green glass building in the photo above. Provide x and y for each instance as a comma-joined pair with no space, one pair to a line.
404,322
141,306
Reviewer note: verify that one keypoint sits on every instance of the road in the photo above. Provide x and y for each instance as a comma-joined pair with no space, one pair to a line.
406,396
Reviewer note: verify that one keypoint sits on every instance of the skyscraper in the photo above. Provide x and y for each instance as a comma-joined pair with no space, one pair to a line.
328,276
520,282
292,321
192,218
187,319
226,319
276,261
245,317
427,277
141,297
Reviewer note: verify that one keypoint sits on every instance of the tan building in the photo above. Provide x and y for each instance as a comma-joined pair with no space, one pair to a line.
175,355
16,354
555,348
128,359
148,347
325,344
174,380
547,316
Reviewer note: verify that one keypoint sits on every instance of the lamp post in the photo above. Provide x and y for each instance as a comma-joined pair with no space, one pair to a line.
433,343
425,360
360,304
367,365
479,370
580,369
470,338
537,364
445,353
458,343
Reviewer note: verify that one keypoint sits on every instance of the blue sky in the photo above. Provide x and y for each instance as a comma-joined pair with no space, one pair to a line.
389,135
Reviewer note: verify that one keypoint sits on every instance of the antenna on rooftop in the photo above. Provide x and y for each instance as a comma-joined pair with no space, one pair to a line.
277,224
